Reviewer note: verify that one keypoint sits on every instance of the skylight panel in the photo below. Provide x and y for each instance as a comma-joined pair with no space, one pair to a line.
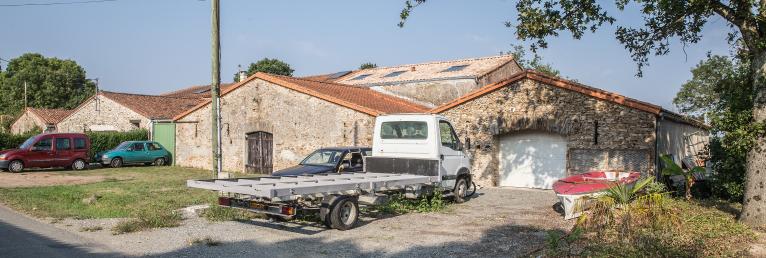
361,77
394,74
455,68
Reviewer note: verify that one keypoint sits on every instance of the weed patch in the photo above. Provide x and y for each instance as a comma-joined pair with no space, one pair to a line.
398,204
91,229
218,213
208,241
147,219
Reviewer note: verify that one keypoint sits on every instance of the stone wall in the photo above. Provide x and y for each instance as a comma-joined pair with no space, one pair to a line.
26,123
104,113
298,122
501,73
430,93
625,140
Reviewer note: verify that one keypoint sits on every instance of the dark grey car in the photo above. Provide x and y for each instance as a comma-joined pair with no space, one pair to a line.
329,160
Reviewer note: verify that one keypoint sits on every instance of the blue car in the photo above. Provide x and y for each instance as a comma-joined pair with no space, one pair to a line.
135,152
329,160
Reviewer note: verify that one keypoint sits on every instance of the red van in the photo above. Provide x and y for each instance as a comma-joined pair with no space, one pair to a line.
47,151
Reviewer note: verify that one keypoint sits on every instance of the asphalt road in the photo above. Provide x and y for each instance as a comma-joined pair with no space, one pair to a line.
21,236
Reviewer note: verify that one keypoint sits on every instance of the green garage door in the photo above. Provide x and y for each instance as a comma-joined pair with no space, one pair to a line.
165,134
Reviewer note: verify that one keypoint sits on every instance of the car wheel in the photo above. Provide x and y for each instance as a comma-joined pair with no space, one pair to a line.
116,162
79,165
461,190
159,162
16,166
345,214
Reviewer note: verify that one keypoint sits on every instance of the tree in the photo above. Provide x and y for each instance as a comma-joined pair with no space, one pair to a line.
51,83
701,95
368,65
535,63
664,20
268,65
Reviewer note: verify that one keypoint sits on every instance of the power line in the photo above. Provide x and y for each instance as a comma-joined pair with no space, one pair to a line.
56,3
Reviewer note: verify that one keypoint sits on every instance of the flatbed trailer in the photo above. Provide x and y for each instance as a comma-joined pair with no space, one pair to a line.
334,197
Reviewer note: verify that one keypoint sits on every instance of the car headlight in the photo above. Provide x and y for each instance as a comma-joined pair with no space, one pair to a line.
104,156
2,156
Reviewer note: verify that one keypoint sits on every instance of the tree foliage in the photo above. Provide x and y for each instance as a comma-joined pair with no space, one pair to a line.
535,63
368,65
51,83
268,65
699,96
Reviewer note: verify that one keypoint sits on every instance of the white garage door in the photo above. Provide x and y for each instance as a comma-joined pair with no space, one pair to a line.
533,159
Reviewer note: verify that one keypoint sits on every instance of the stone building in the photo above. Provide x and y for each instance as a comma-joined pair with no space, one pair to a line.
430,84
43,118
112,111
270,122
531,129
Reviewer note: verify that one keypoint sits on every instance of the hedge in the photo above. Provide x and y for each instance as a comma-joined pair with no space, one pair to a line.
12,141
103,141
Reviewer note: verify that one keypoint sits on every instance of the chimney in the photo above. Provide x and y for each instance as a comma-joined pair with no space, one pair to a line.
242,75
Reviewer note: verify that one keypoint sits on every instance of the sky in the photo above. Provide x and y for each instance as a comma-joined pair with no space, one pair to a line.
155,46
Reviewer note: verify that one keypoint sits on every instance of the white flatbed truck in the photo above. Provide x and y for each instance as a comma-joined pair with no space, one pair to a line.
413,154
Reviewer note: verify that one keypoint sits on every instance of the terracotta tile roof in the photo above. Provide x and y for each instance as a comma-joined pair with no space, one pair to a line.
361,99
556,82
153,107
50,116
474,68
200,91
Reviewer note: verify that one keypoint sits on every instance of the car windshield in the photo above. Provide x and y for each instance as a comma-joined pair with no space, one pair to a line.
323,158
123,146
28,143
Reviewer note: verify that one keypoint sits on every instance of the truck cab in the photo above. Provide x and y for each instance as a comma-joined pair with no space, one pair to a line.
420,144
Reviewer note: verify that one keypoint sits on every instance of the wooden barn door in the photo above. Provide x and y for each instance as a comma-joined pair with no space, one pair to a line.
259,153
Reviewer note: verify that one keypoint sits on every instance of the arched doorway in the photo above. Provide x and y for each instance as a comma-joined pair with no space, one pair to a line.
532,159
259,153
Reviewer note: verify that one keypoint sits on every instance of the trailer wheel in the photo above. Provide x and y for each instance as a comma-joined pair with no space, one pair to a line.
345,213
461,190
324,211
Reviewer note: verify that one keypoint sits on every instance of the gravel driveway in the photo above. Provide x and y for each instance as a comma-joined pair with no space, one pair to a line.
499,222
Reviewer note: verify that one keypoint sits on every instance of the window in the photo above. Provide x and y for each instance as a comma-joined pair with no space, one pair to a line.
455,68
43,145
415,130
394,74
448,136
361,77
339,74
154,146
138,146
136,123
63,144
79,143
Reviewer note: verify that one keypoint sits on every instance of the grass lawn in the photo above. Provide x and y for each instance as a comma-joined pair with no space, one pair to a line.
126,192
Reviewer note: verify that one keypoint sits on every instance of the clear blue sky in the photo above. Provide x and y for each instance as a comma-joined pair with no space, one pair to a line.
153,46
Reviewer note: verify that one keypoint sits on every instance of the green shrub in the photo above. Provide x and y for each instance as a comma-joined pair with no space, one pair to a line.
12,141
104,141
398,204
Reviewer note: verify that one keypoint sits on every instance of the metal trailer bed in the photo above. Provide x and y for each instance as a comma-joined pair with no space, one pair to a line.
288,188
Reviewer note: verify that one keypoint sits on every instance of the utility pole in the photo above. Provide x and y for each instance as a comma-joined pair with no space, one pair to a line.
215,105
25,96
98,108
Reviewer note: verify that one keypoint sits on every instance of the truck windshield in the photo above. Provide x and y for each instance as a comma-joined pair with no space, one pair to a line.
415,130
28,143
323,158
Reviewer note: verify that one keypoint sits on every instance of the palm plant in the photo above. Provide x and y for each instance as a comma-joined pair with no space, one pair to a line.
673,169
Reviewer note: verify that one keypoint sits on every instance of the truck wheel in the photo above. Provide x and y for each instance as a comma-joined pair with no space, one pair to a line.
345,213
78,164
16,166
461,190
116,162
159,162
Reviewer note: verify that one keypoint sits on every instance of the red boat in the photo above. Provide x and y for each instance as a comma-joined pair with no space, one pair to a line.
570,189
